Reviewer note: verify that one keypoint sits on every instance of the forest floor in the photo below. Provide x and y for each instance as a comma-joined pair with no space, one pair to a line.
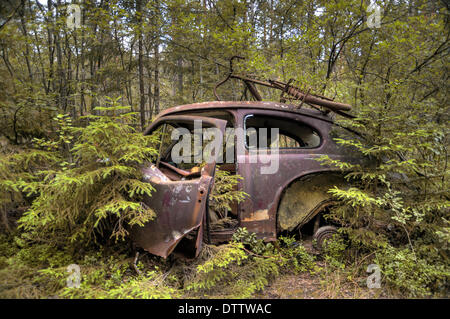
22,275
307,286
328,285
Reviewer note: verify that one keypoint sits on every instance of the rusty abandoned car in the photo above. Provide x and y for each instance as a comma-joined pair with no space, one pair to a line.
287,200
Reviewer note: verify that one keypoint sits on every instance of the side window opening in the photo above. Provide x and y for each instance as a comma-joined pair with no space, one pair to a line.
291,134
167,144
226,156
228,150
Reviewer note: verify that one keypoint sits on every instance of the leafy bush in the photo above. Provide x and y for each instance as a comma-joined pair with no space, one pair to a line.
92,183
298,259
398,204
417,277
17,167
258,246
333,252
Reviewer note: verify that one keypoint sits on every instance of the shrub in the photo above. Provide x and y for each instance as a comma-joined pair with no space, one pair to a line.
246,265
90,184
224,191
416,277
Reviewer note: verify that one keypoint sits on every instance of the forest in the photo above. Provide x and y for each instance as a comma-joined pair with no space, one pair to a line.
81,80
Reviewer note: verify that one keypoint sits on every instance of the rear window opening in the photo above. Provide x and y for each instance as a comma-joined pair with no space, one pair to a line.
291,134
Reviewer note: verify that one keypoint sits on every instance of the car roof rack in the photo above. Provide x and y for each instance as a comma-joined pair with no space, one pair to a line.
288,91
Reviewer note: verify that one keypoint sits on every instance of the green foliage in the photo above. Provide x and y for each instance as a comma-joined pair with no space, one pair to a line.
398,203
40,271
297,258
258,246
394,76
333,252
216,269
19,167
111,279
233,273
415,276
23,266
225,191
247,265
90,184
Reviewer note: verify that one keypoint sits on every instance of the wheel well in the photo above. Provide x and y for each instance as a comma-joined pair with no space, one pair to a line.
305,197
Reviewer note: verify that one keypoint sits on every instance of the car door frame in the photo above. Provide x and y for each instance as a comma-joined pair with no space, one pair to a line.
180,206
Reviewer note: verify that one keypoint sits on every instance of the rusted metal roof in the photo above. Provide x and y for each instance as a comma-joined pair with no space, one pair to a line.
278,106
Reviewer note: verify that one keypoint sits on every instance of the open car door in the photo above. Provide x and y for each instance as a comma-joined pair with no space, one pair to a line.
180,196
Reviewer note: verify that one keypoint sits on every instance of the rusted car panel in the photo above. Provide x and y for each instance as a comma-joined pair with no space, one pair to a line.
260,105
180,207
282,201
303,198
261,212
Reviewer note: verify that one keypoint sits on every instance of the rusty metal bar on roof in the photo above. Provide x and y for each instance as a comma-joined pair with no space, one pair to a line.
291,90
286,88
311,98
253,90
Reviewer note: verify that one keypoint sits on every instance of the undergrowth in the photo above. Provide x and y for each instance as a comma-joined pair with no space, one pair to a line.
243,268
238,269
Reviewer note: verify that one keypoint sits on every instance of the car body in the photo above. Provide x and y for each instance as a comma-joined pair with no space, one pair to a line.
283,201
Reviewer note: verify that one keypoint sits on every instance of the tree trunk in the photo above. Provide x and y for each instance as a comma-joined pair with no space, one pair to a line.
140,66
156,48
